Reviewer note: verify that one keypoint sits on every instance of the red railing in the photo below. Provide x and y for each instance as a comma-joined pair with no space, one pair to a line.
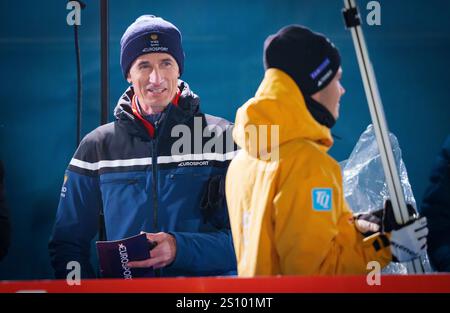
435,283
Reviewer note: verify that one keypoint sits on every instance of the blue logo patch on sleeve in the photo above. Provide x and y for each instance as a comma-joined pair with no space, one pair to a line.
322,199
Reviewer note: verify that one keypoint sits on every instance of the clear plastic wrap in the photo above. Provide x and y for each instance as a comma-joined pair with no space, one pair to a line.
365,187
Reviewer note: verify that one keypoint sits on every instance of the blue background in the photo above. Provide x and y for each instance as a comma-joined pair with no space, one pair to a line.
223,43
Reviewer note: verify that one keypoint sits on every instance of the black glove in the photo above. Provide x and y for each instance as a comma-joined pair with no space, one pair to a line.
213,203
408,241
382,220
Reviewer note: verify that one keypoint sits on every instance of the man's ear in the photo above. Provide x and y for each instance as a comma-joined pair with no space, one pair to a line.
129,78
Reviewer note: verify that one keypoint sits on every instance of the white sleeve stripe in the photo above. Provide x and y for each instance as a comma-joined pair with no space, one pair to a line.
148,161
110,163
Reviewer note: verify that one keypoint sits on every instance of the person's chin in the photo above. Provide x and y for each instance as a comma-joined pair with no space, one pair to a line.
157,97
158,102
336,115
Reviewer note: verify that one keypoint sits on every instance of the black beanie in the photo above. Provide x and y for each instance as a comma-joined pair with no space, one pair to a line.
308,57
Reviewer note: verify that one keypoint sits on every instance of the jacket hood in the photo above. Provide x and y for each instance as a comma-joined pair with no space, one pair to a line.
188,102
278,101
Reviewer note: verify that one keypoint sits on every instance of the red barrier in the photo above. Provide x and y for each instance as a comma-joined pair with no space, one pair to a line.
435,283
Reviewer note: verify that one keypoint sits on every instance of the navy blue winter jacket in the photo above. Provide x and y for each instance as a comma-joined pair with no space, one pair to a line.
166,183
436,207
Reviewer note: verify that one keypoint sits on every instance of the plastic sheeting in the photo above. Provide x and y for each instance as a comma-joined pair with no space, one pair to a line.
365,187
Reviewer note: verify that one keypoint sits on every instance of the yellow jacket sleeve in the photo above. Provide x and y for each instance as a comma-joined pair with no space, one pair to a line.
311,239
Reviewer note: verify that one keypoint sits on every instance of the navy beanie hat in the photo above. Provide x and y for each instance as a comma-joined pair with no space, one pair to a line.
309,58
150,34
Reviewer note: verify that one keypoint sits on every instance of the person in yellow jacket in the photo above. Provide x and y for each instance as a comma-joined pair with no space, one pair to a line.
284,192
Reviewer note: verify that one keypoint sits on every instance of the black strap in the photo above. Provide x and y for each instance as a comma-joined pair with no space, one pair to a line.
351,17
101,226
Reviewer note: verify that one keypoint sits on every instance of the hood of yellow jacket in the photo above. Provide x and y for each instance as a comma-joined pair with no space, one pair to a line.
275,115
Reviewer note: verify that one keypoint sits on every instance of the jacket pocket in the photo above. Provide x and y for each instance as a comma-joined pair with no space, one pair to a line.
126,202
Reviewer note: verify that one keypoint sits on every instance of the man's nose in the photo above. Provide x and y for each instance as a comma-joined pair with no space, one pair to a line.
342,90
155,77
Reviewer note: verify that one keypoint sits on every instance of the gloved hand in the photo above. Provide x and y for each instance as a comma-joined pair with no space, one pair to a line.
382,220
368,223
410,241
407,242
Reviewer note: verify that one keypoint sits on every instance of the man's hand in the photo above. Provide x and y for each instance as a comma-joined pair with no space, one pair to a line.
382,220
407,241
162,255
368,223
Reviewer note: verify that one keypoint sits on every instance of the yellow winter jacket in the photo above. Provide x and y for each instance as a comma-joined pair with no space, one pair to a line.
285,197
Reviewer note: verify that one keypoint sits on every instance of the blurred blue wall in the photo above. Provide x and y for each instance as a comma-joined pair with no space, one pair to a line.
223,43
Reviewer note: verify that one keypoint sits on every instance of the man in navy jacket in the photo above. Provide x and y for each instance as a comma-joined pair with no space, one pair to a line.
159,169
436,207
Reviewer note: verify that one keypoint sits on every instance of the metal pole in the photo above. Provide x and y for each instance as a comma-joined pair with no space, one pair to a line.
104,87
79,85
104,61
400,209
79,78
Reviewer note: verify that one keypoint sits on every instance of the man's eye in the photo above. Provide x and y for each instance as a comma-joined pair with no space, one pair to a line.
143,66
166,63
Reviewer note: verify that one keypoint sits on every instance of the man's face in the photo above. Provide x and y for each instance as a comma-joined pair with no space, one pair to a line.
329,96
154,77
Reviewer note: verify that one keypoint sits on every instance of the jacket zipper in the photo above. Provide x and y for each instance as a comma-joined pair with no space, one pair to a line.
155,185
155,178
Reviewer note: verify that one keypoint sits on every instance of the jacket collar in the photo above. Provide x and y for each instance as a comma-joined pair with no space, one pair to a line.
188,105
